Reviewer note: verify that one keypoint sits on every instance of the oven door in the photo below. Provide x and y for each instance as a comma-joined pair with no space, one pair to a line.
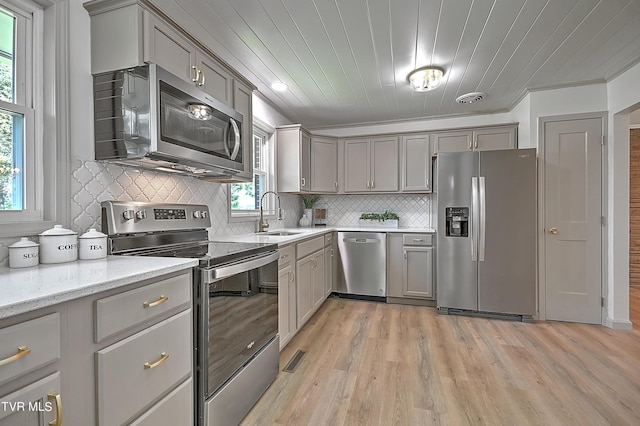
239,306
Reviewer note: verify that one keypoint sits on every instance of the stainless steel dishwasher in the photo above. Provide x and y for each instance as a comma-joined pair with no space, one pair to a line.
362,265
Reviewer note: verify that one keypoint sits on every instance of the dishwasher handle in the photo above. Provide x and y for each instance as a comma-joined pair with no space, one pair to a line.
362,240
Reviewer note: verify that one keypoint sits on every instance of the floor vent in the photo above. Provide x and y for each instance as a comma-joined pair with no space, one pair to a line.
293,364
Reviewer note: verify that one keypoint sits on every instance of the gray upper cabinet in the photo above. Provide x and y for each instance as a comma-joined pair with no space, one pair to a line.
324,165
242,102
214,79
371,164
416,163
293,151
168,48
482,139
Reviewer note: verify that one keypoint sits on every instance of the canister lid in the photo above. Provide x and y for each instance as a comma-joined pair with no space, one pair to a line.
58,230
24,242
92,233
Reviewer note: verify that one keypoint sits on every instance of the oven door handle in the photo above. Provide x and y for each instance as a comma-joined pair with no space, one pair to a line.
210,275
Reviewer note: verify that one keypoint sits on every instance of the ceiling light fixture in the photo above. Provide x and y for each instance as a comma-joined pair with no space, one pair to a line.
279,86
425,78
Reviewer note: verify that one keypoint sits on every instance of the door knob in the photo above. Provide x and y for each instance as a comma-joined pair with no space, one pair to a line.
553,231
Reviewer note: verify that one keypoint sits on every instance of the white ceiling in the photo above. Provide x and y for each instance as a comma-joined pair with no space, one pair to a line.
346,61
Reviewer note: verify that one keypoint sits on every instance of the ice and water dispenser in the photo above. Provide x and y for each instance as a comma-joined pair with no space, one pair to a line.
457,221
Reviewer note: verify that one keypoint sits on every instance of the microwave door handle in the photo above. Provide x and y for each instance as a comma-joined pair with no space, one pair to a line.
236,133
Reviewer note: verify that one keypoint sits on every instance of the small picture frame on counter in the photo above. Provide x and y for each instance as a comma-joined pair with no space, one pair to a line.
320,216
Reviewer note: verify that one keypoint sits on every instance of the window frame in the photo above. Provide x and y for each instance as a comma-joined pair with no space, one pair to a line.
269,212
47,183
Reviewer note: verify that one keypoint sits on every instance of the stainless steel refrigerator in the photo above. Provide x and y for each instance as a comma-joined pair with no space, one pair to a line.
486,260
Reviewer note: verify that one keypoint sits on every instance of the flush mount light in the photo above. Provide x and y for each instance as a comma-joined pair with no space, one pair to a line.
200,112
279,86
425,78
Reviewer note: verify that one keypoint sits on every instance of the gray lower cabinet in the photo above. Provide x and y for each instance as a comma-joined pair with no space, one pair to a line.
287,320
310,278
330,259
30,368
410,268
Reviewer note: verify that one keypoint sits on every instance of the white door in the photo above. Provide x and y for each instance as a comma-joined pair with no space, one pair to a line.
572,219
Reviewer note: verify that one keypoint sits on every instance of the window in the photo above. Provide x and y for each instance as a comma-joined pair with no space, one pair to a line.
16,112
34,155
244,198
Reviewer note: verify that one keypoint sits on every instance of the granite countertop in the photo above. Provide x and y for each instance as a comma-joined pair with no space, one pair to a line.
299,234
26,289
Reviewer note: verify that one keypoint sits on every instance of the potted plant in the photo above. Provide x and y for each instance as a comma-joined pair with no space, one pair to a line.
308,201
386,219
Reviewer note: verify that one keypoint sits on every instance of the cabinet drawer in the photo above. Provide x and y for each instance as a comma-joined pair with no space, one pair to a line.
122,311
29,345
287,254
328,239
417,239
305,248
174,409
146,365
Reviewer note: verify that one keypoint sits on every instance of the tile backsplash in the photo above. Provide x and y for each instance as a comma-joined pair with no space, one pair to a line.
414,210
93,182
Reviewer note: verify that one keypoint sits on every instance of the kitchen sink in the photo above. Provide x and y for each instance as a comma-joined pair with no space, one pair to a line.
282,233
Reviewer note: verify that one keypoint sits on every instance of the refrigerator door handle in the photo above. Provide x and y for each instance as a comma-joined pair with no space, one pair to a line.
473,223
482,231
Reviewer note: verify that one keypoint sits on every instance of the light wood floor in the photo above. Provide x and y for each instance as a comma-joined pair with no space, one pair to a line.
380,364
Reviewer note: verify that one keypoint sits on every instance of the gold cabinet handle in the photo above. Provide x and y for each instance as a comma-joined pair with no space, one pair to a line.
163,358
22,352
553,231
162,299
55,396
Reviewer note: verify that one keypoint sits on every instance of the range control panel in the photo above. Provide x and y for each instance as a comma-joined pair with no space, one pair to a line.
128,217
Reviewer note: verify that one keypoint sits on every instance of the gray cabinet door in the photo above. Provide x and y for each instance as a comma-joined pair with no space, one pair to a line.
324,165
305,165
304,296
416,163
455,141
286,305
384,164
166,47
319,276
495,138
41,406
356,165
417,272
215,80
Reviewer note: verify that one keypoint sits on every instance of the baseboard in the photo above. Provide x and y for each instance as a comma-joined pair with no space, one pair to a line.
618,324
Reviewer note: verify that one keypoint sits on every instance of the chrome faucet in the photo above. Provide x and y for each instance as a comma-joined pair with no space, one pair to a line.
263,226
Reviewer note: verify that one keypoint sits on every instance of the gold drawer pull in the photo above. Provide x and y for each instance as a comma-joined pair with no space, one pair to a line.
22,352
58,400
163,358
162,299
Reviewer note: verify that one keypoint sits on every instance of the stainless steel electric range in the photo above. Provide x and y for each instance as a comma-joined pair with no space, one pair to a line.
235,293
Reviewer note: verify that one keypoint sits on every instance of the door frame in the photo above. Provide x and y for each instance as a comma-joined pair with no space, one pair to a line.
542,284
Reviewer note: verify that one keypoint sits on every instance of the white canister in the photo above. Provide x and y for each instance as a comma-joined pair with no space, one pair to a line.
23,253
58,245
93,245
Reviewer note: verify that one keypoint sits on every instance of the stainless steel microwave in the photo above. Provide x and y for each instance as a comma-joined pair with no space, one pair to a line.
150,118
